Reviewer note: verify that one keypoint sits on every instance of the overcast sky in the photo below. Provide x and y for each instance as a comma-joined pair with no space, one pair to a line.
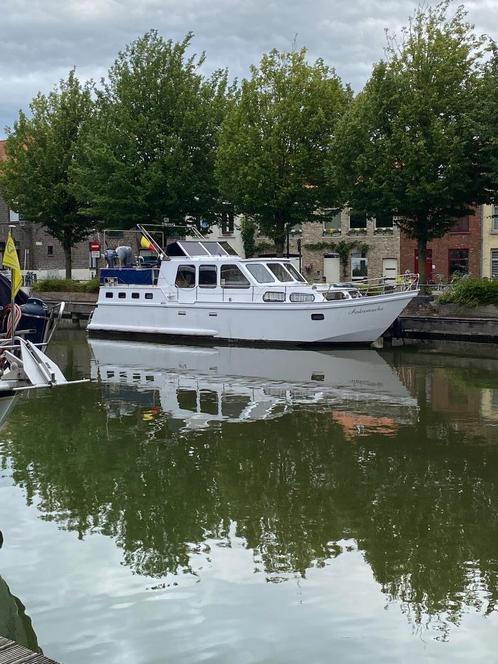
40,40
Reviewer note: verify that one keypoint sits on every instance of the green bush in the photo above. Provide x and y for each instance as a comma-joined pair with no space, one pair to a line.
65,285
471,292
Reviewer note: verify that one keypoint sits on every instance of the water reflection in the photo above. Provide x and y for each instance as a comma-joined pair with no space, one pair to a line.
197,386
301,456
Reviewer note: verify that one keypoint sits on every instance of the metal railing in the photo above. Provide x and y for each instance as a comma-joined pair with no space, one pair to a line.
377,286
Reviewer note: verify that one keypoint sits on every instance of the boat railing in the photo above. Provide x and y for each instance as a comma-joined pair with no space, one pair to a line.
376,286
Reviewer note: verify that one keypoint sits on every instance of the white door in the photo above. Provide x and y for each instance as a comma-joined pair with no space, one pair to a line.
390,268
331,269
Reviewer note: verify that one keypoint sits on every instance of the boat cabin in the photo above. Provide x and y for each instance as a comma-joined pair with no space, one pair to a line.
211,271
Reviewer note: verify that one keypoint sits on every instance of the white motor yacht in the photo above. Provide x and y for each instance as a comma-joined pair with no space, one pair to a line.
203,290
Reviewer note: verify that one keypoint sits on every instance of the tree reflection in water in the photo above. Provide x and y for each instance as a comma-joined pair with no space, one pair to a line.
420,503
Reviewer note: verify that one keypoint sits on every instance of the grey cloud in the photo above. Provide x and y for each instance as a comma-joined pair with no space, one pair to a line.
42,39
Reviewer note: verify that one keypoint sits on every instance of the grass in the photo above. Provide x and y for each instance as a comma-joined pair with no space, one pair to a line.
471,292
65,286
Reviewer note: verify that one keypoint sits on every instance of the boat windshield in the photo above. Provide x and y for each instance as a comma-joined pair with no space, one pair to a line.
297,276
280,272
260,273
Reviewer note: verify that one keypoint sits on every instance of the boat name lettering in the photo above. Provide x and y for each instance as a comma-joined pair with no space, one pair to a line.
364,310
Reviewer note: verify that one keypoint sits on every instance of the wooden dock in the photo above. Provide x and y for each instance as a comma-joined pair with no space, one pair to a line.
12,653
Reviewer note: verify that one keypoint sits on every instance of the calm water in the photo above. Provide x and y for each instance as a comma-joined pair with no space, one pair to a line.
250,506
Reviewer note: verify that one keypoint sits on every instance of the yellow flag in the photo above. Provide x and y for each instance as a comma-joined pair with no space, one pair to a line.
11,259
145,243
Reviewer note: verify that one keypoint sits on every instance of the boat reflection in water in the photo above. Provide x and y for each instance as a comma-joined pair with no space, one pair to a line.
198,386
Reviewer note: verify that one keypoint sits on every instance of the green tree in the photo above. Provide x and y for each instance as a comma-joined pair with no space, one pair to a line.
408,146
35,179
487,122
149,151
275,143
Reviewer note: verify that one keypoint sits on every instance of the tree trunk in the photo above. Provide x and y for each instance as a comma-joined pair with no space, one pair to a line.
422,262
279,236
68,261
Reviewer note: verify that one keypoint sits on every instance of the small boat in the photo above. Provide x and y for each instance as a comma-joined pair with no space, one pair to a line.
26,328
202,290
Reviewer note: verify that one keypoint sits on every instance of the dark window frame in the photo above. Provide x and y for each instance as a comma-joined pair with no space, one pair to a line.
234,285
455,263
203,268
189,269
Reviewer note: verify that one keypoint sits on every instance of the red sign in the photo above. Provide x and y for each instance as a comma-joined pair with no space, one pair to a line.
94,246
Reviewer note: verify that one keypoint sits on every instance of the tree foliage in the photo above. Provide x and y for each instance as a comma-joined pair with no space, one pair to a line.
148,154
275,143
35,179
408,146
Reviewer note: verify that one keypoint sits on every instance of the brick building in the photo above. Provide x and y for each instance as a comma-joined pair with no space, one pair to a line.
458,251
371,246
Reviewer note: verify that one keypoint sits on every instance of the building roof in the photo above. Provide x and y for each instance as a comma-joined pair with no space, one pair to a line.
3,156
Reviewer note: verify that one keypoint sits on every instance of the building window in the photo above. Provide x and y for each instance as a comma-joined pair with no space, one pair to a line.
384,221
227,222
359,264
208,276
461,226
232,277
357,220
50,250
494,263
185,276
494,219
458,261
332,225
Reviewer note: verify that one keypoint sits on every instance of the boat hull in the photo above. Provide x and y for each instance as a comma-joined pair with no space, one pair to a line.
359,321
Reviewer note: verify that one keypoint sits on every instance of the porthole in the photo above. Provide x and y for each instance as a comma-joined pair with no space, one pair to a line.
135,296
317,317
148,296
109,295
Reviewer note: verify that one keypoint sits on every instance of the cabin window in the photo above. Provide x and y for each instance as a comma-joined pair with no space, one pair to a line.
135,296
109,295
290,268
185,276
232,277
274,296
208,276
317,317
148,296
260,273
280,272
121,296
